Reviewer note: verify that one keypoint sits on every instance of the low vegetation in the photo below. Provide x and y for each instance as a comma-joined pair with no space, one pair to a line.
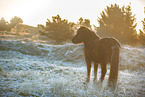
40,69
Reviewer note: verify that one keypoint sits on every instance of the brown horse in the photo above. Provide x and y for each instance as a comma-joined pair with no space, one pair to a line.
99,51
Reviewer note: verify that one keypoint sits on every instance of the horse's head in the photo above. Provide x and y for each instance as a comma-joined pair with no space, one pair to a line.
80,36
83,34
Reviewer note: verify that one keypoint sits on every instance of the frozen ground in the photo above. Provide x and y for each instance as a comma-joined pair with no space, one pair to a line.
29,68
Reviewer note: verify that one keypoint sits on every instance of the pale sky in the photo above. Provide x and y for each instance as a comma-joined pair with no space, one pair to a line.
35,12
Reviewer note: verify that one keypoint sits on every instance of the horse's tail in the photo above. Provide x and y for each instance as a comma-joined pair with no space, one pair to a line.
114,66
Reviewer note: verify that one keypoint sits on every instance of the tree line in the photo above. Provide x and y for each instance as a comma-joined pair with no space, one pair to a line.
61,30
114,22
6,26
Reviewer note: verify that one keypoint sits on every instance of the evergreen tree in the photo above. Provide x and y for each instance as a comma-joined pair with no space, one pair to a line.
85,22
117,22
14,21
142,33
3,24
130,32
59,29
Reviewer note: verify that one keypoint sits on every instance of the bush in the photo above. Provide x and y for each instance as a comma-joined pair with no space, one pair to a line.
58,29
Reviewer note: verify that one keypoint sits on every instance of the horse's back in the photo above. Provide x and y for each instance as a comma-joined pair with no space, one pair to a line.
105,49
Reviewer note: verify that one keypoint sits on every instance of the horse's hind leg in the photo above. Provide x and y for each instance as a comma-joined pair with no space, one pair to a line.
103,71
95,71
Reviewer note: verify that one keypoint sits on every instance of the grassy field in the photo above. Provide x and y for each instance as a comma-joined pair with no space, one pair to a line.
34,67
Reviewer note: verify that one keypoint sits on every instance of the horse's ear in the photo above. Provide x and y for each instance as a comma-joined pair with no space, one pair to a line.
78,27
82,26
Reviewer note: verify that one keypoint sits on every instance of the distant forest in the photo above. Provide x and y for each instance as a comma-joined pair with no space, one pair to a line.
114,22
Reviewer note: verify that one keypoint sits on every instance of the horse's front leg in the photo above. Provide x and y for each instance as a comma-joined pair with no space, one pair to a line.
95,71
89,65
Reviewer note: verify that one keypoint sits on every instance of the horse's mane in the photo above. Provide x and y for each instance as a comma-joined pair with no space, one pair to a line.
91,32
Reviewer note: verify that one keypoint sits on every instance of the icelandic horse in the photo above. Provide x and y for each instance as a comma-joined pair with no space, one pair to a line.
99,51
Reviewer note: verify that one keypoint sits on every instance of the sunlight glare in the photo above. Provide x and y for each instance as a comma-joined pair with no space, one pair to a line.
35,12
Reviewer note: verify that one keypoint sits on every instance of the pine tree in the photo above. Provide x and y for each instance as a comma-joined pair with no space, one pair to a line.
129,26
3,24
142,33
14,21
85,22
117,22
59,30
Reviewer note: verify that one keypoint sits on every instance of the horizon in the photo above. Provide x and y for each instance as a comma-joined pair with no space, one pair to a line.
34,12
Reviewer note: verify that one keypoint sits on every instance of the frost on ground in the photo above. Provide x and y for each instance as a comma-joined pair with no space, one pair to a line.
37,69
